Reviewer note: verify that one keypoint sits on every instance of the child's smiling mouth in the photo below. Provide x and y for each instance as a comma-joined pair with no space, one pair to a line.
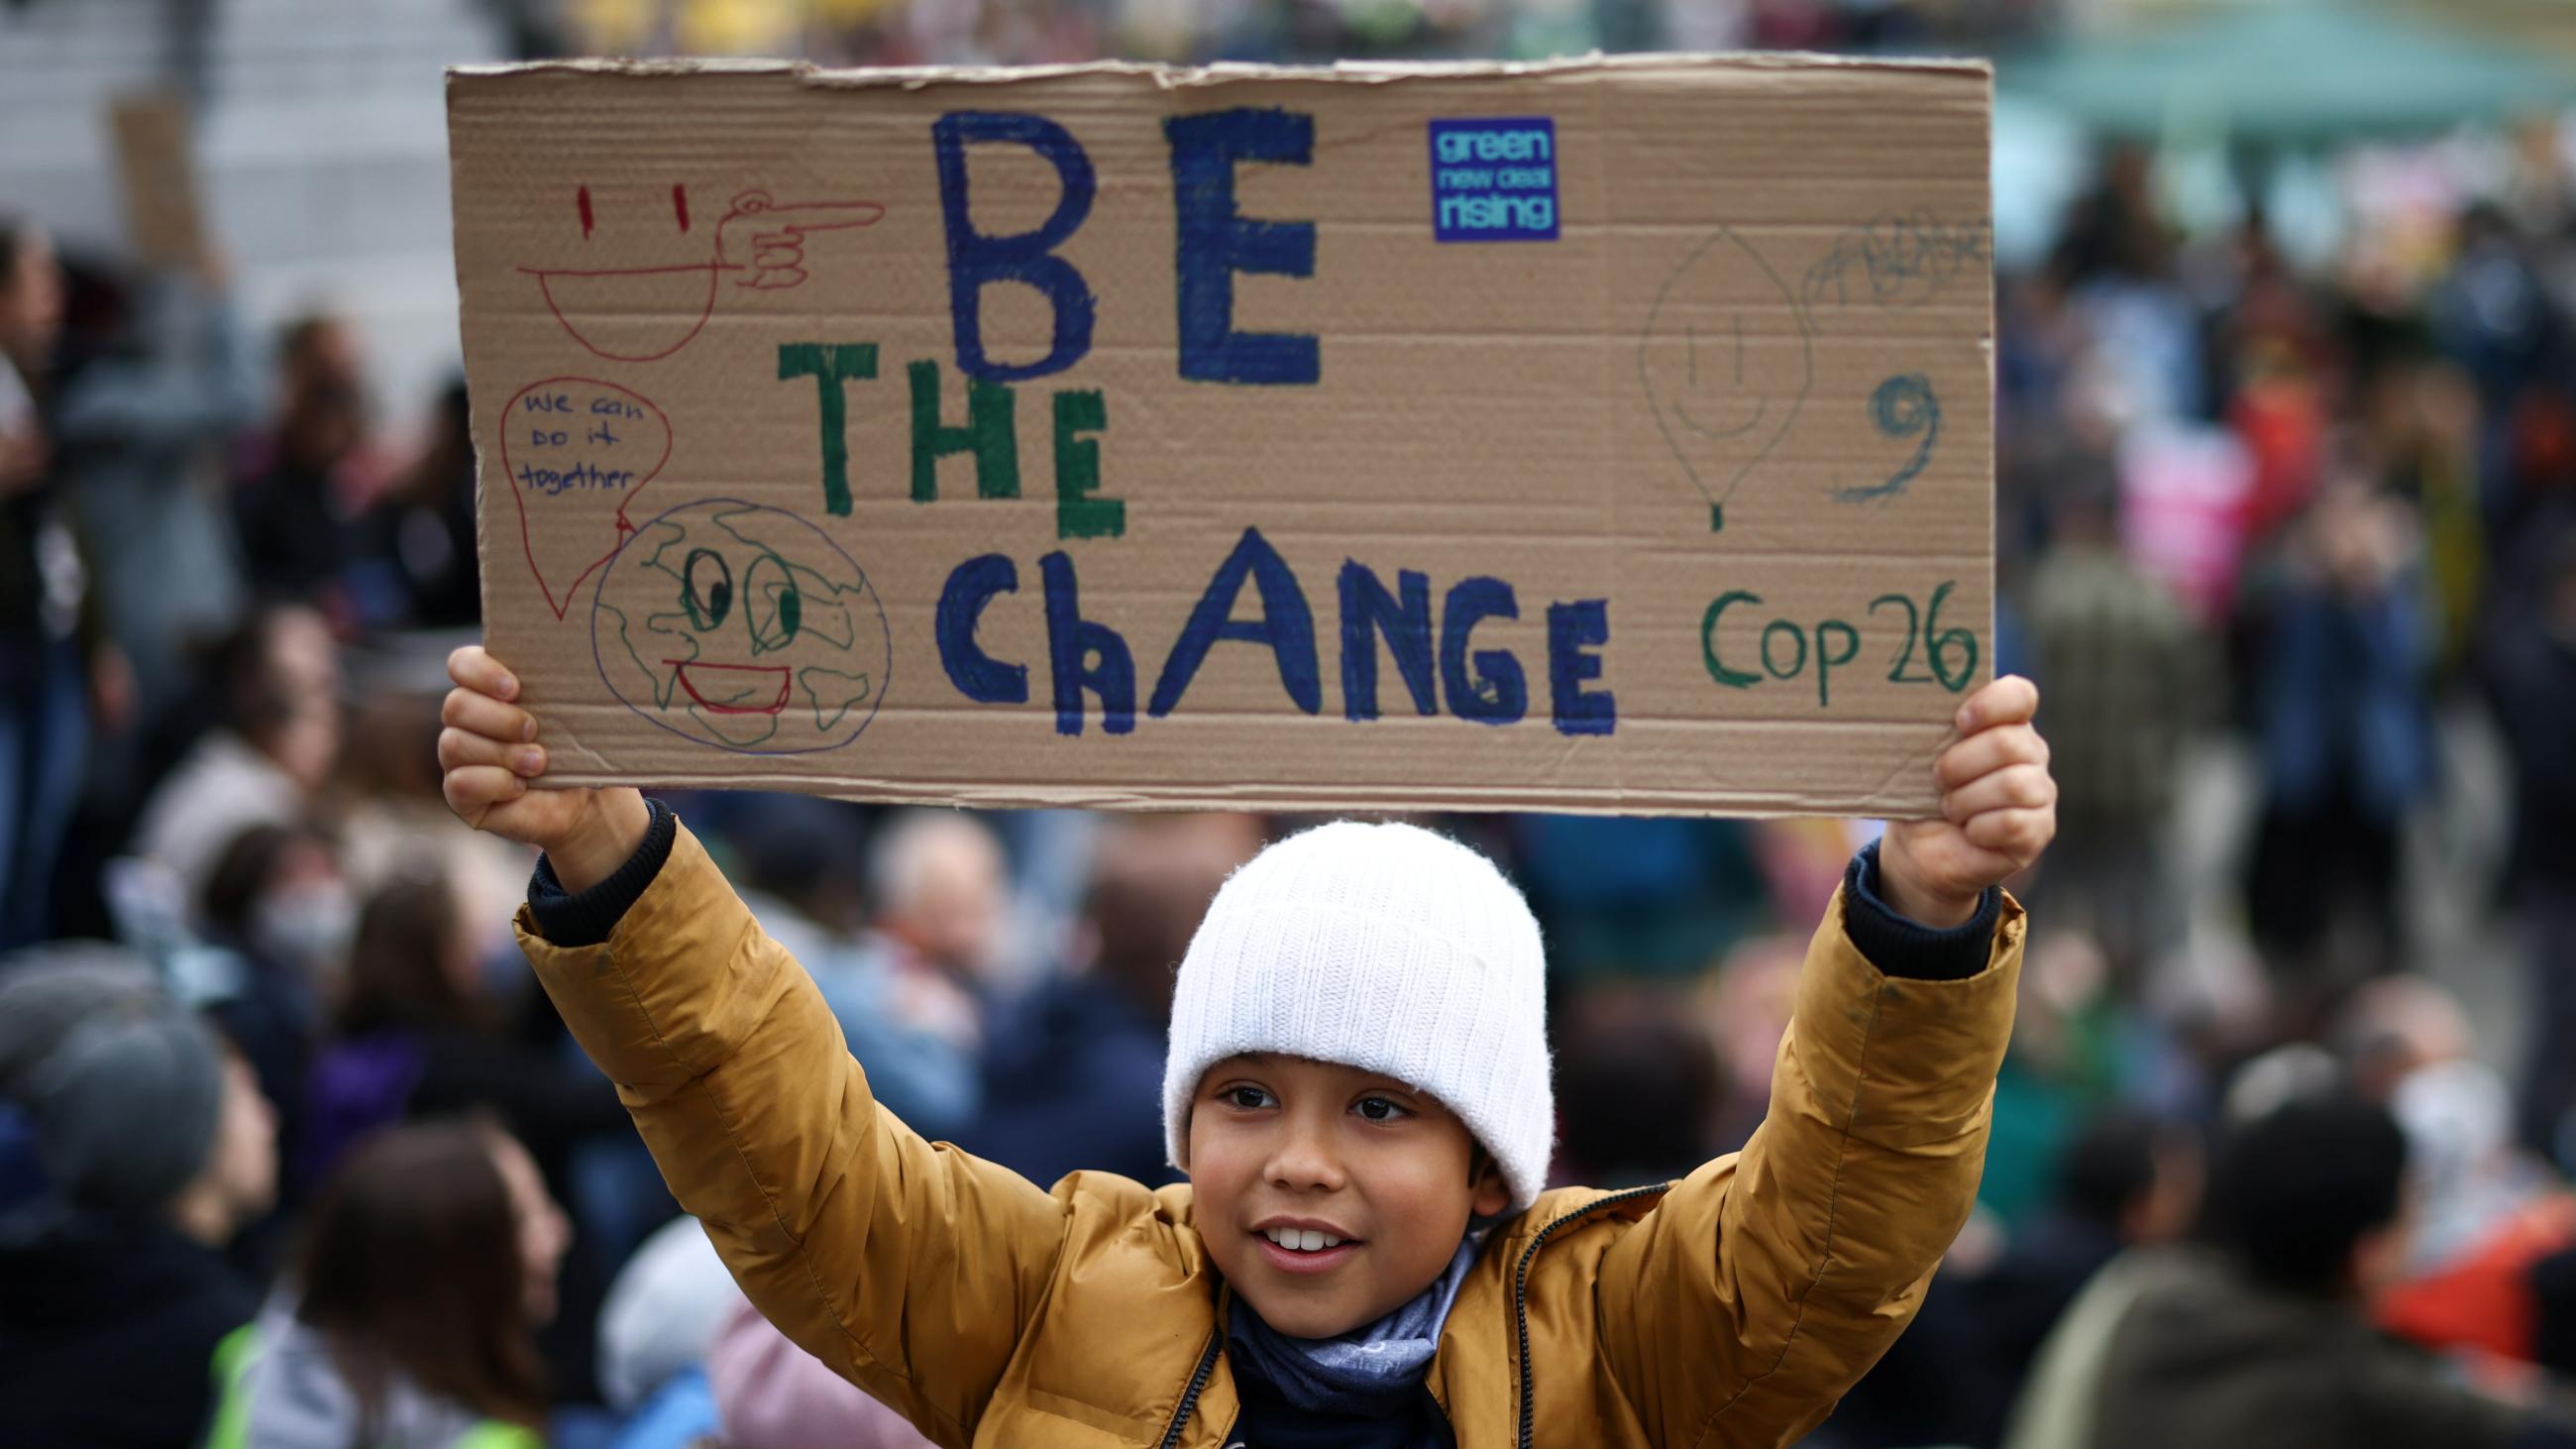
1303,1247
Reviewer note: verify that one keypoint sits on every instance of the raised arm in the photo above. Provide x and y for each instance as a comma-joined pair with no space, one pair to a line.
1766,1283
909,1267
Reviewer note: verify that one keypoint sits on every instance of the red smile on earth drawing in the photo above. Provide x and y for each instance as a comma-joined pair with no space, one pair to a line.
732,688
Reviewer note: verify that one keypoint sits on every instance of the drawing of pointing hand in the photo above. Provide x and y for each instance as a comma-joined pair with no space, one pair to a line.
774,256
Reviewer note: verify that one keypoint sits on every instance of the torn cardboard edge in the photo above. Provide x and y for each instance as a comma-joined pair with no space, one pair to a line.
1181,77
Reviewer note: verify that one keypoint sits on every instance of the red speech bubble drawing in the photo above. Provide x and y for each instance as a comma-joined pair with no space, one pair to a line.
576,450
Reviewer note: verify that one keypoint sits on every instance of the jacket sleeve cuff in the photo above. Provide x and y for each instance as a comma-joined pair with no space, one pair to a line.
565,919
1900,946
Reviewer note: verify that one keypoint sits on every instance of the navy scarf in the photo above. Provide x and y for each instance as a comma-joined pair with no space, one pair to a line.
1374,1371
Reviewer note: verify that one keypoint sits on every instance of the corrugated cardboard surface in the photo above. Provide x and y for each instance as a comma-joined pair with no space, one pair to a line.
1742,398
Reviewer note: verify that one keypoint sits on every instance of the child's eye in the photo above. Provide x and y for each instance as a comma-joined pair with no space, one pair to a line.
1247,1098
1379,1109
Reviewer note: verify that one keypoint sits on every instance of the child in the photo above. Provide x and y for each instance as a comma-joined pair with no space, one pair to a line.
427,1263
153,1150
1357,1085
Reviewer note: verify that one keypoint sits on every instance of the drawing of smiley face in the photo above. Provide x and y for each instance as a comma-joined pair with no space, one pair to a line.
1726,363
742,627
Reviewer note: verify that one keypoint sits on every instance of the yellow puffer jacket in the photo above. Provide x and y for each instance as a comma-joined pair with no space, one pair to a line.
1731,1308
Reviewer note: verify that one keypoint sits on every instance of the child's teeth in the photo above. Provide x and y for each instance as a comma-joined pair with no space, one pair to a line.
1303,1240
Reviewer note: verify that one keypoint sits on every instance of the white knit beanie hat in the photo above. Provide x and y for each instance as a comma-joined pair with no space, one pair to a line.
1383,947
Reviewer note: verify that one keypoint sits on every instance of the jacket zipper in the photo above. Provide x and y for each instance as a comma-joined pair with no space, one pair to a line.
1198,1381
1520,1296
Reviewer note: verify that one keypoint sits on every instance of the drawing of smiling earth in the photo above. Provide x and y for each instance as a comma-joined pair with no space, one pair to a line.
742,627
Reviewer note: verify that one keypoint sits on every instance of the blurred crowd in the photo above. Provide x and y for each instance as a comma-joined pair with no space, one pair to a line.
1038,32
288,1140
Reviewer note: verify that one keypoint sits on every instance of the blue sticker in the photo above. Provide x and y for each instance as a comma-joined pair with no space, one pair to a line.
1493,179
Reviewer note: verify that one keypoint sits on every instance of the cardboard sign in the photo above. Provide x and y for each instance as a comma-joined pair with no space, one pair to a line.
157,174
1604,435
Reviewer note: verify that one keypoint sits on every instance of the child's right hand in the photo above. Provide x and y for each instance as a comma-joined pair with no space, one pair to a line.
490,753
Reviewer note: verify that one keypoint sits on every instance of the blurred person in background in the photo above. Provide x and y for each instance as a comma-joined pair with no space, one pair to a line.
409,1320
297,504
2278,360
156,379
686,1360
2343,727
384,807
266,762
2416,416
2072,1050
2492,314
1073,1070
771,1394
419,1037
2117,256
1637,1083
661,1314
2487,1216
2530,669
2124,671
59,677
802,865
1638,896
412,562
31,323
278,899
2407,1045
118,1311
1745,1005
281,913
2126,1180
937,887
2259,1337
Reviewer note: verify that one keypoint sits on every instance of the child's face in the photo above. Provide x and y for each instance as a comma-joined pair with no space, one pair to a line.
1279,1141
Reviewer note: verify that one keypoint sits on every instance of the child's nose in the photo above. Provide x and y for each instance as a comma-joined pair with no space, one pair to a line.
1305,1161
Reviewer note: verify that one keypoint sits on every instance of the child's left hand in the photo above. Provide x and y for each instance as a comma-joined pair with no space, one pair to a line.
1998,811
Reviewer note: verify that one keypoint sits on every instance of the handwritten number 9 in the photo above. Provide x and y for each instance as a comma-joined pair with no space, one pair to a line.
1903,406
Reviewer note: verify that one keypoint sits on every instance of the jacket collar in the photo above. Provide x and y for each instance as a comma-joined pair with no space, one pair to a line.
1208,1403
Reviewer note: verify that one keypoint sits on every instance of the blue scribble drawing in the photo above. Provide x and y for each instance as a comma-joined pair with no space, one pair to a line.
1894,261
1901,407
